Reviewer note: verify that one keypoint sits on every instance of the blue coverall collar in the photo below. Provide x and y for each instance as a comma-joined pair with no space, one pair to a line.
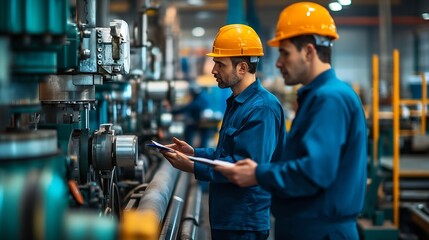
318,81
248,92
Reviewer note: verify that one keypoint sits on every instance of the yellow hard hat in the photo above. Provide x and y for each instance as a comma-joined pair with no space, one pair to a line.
236,40
304,18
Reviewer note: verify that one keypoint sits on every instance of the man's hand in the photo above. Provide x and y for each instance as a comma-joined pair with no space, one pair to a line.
180,161
181,146
242,174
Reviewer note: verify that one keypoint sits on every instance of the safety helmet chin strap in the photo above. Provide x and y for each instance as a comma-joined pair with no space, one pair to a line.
322,41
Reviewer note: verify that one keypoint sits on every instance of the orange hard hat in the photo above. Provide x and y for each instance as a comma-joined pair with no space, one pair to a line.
236,40
304,18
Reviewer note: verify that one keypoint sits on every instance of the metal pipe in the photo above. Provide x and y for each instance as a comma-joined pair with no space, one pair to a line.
103,12
86,119
140,37
172,220
159,190
144,222
191,217
169,56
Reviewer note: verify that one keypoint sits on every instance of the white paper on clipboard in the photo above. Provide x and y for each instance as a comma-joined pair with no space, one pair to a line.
159,146
211,162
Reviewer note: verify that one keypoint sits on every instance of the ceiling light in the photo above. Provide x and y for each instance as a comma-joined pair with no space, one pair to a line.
425,16
345,2
335,6
198,32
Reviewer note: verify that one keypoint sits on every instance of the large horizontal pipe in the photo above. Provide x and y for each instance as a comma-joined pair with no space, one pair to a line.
191,217
160,189
174,214
145,221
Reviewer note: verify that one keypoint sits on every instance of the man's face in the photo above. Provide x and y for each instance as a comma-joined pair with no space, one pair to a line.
292,63
225,74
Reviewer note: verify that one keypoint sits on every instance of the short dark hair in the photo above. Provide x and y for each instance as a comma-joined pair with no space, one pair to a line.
323,52
252,65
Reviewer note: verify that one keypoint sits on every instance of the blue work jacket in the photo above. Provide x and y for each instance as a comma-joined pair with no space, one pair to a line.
321,178
253,127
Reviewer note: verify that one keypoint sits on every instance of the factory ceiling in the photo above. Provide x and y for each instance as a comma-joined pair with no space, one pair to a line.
211,14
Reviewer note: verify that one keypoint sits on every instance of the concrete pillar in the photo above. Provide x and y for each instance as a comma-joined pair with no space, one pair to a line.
386,50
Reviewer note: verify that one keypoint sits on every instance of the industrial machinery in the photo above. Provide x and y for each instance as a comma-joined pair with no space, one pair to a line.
75,117
35,167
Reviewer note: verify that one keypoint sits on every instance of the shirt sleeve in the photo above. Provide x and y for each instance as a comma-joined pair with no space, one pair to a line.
256,138
321,137
202,171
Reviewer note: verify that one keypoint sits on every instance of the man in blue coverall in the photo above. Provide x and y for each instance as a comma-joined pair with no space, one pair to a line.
253,127
318,185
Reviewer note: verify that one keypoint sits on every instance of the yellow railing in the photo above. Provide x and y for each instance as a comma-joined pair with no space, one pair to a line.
396,115
375,107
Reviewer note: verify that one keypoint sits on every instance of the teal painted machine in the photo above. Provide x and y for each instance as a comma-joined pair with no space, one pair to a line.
32,183
48,73
34,193
67,171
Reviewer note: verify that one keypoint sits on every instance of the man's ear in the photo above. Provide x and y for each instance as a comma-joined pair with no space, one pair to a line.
242,68
310,51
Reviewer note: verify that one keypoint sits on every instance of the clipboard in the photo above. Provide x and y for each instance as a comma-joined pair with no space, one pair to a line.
159,146
211,162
